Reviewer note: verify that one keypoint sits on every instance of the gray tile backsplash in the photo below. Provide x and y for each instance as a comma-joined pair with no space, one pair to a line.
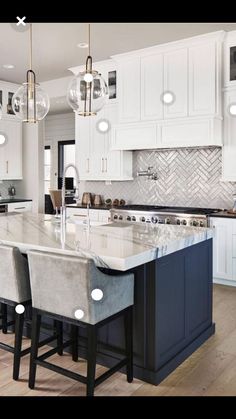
186,177
5,185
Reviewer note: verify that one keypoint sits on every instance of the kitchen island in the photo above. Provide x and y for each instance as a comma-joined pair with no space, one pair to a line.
173,283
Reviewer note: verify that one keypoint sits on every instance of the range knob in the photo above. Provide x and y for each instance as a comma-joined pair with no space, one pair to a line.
201,223
154,220
184,222
121,217
178,222
195,223
167,221
128,218
115,217
133,218
143,219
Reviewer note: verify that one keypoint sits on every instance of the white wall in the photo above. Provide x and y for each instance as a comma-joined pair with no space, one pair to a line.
59,127
33,146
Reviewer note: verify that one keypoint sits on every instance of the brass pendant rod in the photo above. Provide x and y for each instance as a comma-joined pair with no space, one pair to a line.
30,60
89,39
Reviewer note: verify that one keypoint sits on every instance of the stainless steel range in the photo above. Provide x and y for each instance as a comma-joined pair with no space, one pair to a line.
187,216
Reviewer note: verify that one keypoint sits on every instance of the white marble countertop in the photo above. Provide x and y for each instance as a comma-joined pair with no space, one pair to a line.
115,245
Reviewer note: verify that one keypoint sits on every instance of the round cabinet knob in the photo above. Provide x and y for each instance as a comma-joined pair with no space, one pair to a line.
143,219
121,217
115,217
178,222
184,222
154,220
128,218
133,218
167,221
195,223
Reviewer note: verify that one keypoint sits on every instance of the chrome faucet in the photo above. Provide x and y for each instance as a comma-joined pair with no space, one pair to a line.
63,190
149,173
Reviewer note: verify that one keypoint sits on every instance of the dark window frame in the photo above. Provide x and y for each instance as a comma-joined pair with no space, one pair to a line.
61,155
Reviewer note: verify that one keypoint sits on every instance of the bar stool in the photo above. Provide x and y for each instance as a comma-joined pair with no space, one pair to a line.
56,197
14,291
73,289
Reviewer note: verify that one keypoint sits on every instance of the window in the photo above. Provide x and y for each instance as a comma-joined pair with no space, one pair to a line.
47,169
66,155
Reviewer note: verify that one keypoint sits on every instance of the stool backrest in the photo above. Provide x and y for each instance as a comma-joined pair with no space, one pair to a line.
62,284
56,197
14,275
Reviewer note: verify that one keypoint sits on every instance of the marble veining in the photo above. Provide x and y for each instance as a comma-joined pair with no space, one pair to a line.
115,245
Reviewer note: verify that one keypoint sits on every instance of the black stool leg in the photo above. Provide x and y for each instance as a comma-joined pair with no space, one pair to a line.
74,338
36,322
59,331
19,322
4,318
91,365
129,343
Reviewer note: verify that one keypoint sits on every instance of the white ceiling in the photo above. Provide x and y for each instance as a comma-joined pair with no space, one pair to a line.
55,44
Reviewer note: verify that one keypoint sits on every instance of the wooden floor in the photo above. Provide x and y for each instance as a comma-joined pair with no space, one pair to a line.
210,371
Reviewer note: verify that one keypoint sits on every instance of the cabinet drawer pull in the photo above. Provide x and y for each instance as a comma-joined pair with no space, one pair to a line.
102,168
87,165
106,165
7,166
19,207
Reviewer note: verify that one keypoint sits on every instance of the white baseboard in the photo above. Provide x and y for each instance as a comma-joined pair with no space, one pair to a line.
224,282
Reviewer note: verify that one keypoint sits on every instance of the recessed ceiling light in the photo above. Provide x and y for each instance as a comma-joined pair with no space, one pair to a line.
82,45
8,66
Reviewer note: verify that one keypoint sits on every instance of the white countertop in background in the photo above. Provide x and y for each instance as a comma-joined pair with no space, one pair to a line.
117,246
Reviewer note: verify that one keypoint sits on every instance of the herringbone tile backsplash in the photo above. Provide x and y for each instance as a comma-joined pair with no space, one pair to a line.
186,177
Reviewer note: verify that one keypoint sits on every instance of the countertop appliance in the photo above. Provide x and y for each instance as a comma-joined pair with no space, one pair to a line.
188,216
3,208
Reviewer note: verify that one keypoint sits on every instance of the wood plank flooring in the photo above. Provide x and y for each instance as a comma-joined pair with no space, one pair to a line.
210,371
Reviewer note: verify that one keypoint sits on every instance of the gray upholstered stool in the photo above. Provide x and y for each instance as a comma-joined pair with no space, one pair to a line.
72,289
14,289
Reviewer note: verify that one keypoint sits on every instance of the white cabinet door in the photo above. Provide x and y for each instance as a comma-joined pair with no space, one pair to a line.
222,248
128,89
117,164
11,151
176,82
151,87
202,79
82,141
97,144
19,206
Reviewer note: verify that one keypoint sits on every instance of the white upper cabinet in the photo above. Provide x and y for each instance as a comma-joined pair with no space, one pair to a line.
202,79
230,60
128,90
176,82
190,70
11,150
151,87
95,159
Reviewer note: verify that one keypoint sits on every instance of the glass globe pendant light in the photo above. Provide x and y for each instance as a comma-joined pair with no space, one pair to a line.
87,92
30,102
